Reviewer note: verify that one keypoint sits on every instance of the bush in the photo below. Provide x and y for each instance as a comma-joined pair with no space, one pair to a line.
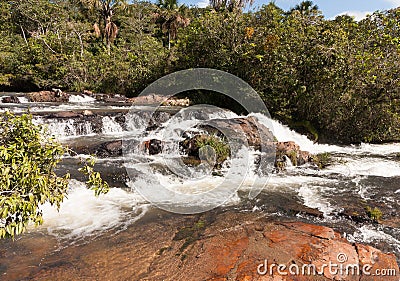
220,147
374,214
28,159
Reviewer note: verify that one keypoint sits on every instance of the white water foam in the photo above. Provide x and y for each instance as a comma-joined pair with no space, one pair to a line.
23,99
284,133
82,213
81,99
110,126
366,166
370,234
312,198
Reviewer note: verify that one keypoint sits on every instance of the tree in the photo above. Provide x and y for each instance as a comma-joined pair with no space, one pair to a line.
106,9
306,8
28,159
230,5
171,17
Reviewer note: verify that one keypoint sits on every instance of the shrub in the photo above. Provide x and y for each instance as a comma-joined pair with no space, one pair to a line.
221,148
28,158
374,213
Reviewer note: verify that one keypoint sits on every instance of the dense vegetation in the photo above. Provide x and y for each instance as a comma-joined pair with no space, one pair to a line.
336,79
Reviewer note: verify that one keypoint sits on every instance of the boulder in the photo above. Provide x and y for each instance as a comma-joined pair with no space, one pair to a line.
152,146
292,151
253,250
56,95
247,129
10,99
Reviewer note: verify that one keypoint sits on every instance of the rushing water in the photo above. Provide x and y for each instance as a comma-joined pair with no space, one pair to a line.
364,175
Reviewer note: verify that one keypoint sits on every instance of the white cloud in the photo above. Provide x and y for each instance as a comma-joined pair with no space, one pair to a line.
203,3
358,15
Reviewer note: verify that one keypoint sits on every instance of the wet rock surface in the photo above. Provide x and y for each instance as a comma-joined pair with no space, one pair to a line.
154,99
211,246
55,95
10,99
292,151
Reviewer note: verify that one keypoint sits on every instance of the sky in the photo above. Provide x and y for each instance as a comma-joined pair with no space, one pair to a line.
330,8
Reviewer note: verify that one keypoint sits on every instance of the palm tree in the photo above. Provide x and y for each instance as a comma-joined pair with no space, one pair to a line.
171,17
306,8
106,10
230,5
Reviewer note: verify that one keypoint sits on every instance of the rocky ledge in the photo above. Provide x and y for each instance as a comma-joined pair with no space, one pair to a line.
224,246
243,131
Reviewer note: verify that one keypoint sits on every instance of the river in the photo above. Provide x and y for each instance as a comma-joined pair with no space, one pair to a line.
365,175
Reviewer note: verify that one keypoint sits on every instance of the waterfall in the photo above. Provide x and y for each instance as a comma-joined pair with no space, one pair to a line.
111,126
63,128
80,99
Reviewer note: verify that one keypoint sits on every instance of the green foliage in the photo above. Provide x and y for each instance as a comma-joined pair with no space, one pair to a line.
28,159
27,163
374,213
322,160
94,180
341,76
220,147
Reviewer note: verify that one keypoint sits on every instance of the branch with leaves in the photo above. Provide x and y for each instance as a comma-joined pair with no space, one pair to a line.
28,159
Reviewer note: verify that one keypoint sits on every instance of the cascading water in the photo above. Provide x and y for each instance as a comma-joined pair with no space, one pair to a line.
365,173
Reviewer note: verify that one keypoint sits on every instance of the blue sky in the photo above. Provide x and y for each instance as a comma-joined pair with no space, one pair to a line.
330,8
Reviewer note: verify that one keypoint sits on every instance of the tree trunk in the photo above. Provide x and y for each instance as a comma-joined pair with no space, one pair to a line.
169,40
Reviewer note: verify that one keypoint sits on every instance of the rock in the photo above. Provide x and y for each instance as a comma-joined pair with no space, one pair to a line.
214,246
245,129
100,149
56,95
114,147
152,146
10,99
87,92
177,102
88,113
147,100
234,132
116,99
238,251
292,151
369,256
248,130
154,99
65,114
